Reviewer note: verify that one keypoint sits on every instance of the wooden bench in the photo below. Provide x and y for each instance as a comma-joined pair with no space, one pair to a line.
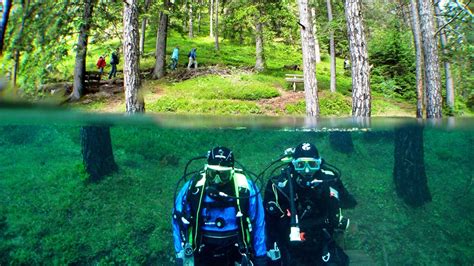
294,78
91,77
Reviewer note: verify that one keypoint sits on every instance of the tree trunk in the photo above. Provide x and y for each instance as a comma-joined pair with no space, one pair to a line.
3,27
216,30
162,35
81,51
15,67
430,51
361,98
260,55
447,65
191,33
341,141
97,152
211,18
144,22
309,65
409,169
332,48
415,25
315,32
199,16
131,68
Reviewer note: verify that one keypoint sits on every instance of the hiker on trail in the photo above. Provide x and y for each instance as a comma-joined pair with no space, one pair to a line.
174,58
218,216
100,65
302,211
114,60
192,59
347,64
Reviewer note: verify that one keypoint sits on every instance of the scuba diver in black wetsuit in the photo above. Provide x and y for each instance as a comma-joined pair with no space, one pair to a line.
218,216
302,211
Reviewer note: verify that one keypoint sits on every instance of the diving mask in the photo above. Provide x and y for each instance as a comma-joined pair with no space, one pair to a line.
219,174
303,164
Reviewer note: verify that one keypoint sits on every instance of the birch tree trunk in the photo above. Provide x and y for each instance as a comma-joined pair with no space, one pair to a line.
7,4
415,26
309,65
142,32
447,65
259,51
430,52
211,18
216,31
81,51
332,49
131,68
315,32
191,6
361,98
161,37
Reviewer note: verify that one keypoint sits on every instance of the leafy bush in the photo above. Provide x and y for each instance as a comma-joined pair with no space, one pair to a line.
330,104
196,106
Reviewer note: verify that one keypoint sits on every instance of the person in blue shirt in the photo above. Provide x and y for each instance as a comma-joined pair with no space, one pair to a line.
218,216
192,59
174,58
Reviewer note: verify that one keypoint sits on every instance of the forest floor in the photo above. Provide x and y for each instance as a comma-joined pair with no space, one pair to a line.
108,96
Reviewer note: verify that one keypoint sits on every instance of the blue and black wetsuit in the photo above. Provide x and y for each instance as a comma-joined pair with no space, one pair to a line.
226,226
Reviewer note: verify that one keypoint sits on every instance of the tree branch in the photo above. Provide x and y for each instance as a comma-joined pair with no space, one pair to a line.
452,19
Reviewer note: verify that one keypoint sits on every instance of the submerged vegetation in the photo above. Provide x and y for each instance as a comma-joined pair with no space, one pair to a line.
50,214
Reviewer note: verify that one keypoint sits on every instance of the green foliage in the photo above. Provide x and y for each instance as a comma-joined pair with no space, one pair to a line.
393,61
330,104
197,106
237,87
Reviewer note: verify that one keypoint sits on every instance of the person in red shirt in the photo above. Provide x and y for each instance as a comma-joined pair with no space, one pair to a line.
100,65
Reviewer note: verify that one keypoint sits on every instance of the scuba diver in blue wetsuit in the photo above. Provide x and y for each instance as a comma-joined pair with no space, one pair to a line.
218,216
302,206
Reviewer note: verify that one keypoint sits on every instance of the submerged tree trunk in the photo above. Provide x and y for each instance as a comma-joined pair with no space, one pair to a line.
309,65
361,97
97,152
317,50
144,22
447,65
259,51
419,58
430,52
216,31
80,65
332,48
3,27
409,173
162,35
131,68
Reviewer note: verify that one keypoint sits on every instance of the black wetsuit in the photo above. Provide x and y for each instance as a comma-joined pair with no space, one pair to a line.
318,212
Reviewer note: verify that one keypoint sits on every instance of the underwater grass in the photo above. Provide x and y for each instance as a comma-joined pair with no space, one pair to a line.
49,215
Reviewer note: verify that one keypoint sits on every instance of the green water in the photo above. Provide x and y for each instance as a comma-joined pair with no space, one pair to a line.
50,215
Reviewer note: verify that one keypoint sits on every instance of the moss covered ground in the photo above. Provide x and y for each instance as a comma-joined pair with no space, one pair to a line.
50,215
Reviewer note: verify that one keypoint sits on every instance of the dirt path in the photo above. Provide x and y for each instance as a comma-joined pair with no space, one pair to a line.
277,105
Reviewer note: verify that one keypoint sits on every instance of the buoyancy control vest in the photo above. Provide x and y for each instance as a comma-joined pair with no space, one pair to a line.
219,214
